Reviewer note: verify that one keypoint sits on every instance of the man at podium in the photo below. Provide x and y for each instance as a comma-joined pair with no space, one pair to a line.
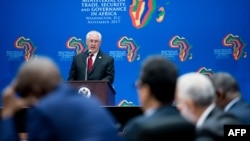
92,64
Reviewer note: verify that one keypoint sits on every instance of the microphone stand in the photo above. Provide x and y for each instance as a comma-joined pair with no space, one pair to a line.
86,68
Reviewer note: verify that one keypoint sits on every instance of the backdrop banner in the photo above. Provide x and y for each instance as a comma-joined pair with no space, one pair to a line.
203,36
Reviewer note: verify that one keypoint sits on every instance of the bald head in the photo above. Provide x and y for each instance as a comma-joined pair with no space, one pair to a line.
37,77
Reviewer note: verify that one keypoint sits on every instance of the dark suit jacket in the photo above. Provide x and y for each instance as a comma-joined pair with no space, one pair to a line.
165,124
241,109
8,130
213,127
103,67
64,115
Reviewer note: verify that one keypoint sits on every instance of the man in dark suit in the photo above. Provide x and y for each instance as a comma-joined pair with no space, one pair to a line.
161,120
101,65
195,99
228,96
57,112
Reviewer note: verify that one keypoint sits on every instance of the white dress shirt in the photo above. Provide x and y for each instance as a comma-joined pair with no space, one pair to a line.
204,115
149,112
230,104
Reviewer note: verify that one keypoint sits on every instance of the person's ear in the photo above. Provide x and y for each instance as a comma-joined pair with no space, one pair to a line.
145,89
36,90
220,95
191,105
31,99
87,43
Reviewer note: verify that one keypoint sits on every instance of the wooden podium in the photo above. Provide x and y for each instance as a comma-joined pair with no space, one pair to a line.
102,89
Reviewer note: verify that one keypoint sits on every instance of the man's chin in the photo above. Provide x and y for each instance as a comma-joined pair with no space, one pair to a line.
189,118
93,50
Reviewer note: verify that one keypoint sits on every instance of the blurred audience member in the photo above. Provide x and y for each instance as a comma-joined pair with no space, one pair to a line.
57,112
195,97
161,120
228,96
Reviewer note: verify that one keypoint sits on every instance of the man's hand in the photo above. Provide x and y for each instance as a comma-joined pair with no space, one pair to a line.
11,103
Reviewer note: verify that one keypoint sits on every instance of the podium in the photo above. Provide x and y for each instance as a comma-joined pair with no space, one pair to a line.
101,89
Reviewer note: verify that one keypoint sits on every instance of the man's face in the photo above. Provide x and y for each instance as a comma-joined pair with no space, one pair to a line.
143,94
184,108
93,43
221,99
22,85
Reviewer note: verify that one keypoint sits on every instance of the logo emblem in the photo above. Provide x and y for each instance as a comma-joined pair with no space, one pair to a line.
85,92
237,44
27,45
182,44
141,12
77,44
131,47
205,71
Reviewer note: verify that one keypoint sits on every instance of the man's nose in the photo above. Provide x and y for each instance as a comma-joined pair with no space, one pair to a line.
93,43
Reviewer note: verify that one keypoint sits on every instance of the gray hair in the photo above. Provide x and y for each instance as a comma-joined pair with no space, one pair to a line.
197,87
226,82
94,32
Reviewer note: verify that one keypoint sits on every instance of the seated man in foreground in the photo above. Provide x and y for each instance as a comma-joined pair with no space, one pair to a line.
57,112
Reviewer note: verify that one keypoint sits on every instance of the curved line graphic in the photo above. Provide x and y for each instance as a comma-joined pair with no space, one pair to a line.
140,14
129,44
204,70
182,44
27,45
160,15
76,43
236,42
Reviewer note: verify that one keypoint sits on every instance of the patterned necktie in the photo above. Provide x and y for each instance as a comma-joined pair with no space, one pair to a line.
90,62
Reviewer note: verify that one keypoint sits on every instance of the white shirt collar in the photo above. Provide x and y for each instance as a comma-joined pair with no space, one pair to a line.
204,115
94,56
230,104
149,112
95,53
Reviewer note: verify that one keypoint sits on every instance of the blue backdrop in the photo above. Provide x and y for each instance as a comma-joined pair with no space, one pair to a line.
204,36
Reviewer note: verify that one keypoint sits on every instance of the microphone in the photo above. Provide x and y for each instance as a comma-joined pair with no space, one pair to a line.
86,68
89,52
